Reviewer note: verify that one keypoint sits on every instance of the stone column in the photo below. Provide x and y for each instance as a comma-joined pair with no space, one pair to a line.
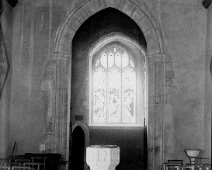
208,85
160,118
156,101
4,94
55,86
103,157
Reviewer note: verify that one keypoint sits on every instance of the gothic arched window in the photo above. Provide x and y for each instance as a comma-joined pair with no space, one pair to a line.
114,92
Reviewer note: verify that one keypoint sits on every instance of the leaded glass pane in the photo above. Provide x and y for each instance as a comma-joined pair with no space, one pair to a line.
125,60
132,64
118,59
99,95
128,95
110,59
97,63
114,95
103,60
114,88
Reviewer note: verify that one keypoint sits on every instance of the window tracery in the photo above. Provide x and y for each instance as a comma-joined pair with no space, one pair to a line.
114,87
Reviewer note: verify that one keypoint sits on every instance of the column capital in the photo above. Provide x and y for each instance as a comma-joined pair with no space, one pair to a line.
160,57
59,56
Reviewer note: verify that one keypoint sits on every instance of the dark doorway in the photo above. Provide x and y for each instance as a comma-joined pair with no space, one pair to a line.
78,149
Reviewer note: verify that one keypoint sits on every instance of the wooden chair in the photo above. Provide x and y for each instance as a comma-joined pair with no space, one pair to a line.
21,161
41,161
4,167
22,168
37,166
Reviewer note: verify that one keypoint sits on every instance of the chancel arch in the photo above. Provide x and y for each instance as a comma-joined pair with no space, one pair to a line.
57,76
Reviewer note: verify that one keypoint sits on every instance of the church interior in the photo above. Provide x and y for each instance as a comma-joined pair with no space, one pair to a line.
105,84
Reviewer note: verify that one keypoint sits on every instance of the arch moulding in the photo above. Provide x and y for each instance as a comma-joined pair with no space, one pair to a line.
85,130
57,76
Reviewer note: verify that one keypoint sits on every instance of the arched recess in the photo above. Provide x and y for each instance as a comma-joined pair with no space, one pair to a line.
85,130
80,134
77,149
57,83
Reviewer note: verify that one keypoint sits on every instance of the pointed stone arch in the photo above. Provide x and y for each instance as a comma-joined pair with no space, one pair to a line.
85,130
137,11
57,83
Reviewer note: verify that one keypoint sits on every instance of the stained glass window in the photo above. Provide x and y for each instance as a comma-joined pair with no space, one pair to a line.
113,87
